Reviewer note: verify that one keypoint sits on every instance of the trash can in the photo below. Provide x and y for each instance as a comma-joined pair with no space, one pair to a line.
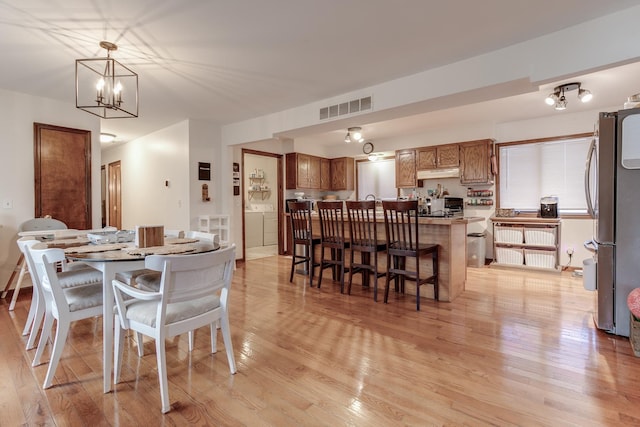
475,249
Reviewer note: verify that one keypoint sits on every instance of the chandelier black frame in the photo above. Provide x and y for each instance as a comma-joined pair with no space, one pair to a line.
105,87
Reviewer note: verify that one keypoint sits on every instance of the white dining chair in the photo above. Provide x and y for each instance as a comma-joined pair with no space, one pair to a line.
64,305
34,224
194,292
67,279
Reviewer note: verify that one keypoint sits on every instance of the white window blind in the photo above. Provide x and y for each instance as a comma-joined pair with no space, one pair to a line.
551,168
377,178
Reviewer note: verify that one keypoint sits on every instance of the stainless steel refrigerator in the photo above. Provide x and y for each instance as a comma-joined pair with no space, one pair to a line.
613,198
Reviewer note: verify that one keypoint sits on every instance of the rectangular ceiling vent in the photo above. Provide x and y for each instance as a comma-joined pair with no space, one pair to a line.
342,109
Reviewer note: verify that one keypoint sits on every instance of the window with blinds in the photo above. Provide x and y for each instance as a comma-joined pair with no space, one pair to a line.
532,170
377,178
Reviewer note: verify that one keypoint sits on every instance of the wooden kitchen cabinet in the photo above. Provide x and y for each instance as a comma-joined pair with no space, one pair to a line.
325,174
406,168
440,156
475,162
303,171
342,171
314,172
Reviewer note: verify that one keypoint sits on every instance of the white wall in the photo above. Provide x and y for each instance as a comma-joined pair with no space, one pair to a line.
146,164
204,146
18,112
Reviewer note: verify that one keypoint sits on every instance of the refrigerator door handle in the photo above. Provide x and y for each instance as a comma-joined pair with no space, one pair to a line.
587,177
591,246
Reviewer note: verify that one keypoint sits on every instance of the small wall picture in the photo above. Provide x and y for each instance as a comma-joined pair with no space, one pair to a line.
236,179
204,171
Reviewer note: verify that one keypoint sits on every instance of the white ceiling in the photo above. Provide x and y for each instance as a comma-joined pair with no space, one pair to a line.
228,61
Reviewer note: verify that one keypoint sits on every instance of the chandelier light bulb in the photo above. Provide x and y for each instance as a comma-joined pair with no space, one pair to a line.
551,99
347,138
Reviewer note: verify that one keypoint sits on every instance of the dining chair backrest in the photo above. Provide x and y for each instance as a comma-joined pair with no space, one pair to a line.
189,277
363,228
173,233
38,224
401,224
45,265
25,244
203,236
301,229
331,221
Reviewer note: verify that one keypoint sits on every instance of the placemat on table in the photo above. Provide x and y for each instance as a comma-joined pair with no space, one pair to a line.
179,240
67,243
95,248
161,250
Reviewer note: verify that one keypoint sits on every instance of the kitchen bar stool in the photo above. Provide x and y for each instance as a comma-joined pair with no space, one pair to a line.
302,234
401,227
363,230
332,237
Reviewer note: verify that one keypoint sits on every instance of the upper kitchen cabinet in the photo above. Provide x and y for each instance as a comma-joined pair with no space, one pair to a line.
303,171
325,174
475,162
440,156
314,172
342,171
406,169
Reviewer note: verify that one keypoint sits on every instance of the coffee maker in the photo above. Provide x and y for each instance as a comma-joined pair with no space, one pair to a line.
549,207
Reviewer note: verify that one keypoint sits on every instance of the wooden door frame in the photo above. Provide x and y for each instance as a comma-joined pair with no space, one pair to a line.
110,194
37,153
280,191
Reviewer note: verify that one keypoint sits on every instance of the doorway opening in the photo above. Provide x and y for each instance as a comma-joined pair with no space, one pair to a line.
262,204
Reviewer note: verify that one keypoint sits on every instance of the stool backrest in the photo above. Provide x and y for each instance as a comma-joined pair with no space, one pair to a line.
401,224
301,229
331,221
362,223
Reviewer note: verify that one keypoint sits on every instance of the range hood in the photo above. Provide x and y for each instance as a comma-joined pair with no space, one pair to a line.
439,173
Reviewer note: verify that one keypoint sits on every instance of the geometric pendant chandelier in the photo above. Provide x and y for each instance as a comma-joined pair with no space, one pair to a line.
105,87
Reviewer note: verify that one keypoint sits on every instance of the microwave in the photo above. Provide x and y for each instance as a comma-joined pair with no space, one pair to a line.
447,205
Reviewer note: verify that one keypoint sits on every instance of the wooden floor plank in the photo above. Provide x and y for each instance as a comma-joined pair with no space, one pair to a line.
516,348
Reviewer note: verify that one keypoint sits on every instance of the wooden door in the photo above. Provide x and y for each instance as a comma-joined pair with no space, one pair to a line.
115,196
62,167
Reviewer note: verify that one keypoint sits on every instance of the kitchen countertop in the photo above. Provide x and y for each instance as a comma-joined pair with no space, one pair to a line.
424,220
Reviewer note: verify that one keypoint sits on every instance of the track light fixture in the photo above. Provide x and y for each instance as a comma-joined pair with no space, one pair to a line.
354,134
559,101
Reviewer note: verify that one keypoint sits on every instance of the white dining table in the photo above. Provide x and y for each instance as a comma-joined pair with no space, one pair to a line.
109,263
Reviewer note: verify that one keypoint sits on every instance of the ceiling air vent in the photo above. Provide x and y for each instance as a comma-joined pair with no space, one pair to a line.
344,108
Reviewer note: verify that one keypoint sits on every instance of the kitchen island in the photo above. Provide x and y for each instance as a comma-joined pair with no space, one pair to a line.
449,233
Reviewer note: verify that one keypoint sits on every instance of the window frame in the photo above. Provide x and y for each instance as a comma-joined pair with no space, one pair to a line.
535,213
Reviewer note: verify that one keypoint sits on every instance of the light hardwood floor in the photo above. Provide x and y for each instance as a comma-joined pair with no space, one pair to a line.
515,349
